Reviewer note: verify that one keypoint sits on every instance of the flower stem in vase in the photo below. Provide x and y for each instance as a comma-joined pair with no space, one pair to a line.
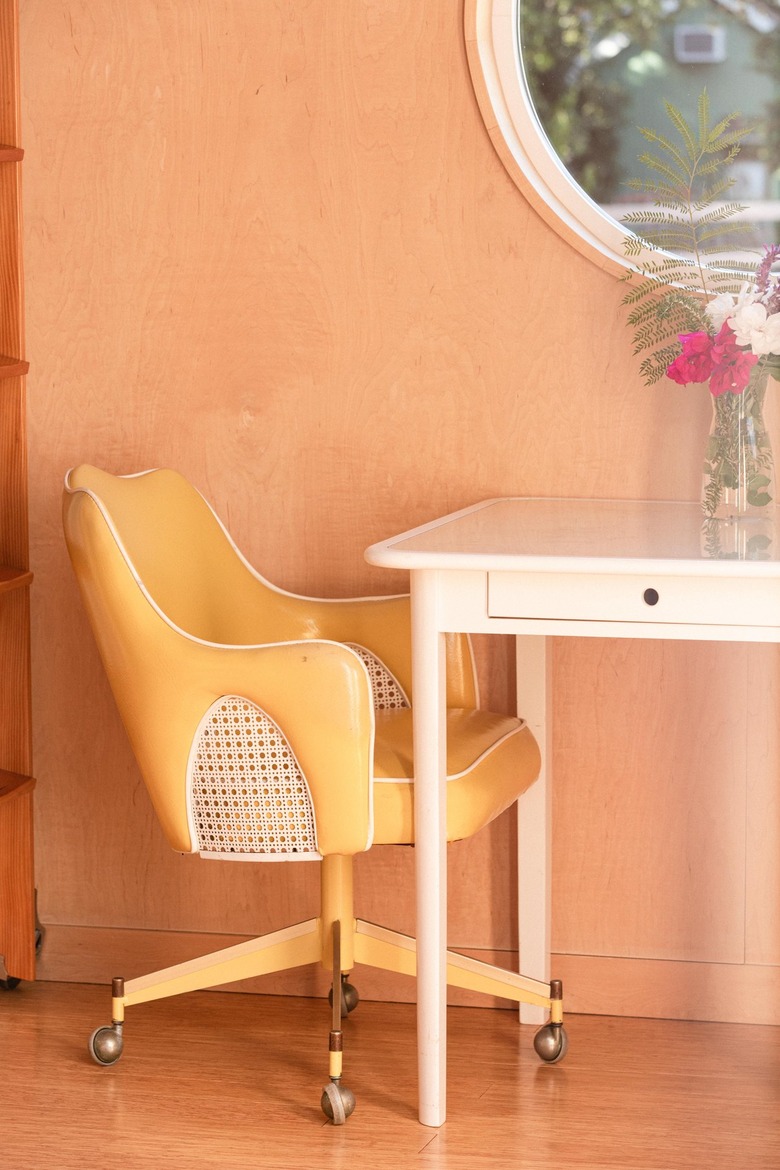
739,472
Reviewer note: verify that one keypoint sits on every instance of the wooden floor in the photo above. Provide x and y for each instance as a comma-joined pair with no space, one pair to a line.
234,1081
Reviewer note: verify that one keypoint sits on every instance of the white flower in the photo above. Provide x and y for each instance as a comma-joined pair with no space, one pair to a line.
748,323
753,327
724,307
719,309
771,335
746,295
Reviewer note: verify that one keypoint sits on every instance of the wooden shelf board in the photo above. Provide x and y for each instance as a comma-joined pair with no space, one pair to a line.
11,153
14,784
11,367
14,579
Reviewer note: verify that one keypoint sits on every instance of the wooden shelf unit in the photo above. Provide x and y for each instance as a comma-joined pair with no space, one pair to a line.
17,893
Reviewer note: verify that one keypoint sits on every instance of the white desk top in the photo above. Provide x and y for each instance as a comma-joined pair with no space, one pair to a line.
568,535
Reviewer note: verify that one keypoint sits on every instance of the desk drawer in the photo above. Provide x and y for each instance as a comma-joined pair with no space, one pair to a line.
726,601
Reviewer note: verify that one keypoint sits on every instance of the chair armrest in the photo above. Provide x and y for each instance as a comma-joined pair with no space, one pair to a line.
316,691
384,626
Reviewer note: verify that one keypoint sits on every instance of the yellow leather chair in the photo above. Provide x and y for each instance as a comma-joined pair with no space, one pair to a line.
270,726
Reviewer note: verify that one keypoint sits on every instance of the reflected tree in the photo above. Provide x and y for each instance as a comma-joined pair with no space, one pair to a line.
565,44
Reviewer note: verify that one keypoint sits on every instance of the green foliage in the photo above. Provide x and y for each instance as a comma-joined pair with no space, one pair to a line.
685,225
583,113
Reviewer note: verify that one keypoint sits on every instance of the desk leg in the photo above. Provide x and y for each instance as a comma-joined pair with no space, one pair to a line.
534,827
429,670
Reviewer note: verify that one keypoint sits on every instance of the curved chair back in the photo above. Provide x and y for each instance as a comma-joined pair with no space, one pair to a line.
182,624
186,628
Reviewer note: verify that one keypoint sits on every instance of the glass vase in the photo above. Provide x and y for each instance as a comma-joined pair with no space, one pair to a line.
739,490
739,468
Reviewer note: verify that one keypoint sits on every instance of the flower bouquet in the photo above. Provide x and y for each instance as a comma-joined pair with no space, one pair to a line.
705,319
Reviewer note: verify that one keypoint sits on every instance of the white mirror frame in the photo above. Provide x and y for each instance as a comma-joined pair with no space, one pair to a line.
513,125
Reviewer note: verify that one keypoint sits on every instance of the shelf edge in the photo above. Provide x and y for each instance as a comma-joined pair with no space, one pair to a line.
11,367
14,579
14,783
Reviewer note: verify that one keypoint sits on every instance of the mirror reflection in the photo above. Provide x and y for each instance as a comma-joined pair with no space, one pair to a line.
596,70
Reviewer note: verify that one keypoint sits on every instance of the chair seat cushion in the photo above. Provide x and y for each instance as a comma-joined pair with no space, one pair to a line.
491,760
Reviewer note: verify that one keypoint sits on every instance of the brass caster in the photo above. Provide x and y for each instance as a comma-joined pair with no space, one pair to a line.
105,1044
551,1043
349,997
337,1102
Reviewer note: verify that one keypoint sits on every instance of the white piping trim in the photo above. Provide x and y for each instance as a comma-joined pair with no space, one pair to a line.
522,725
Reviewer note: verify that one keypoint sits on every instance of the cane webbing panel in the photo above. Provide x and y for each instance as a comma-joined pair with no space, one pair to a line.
247,792
387,691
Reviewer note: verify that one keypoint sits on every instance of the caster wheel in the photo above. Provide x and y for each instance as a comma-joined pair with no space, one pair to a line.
349,998
10,983
337,1103
551,1043
105,1045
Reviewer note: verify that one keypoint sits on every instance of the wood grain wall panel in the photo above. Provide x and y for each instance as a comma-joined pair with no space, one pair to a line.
762,751
652,823
272,246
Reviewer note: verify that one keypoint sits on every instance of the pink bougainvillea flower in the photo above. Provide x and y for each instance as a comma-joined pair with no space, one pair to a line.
732,365
695,363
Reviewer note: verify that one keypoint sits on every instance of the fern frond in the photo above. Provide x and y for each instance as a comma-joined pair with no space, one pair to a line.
720,268
703,113
639,292
666,264
711,195
678,181
709,166
718,140
672,195
653,368
684,238
683,129
717,230
643,312
691,218
652,334
668,147
655,215
675,208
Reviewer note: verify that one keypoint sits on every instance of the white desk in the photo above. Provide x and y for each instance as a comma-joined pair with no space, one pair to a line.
537,568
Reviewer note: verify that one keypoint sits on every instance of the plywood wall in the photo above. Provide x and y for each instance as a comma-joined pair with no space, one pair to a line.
271,244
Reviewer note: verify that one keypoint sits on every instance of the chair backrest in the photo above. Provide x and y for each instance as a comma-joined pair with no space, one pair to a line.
178,614
186,560
152,560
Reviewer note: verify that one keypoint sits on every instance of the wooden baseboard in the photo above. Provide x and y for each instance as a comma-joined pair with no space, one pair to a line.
593,985
662,989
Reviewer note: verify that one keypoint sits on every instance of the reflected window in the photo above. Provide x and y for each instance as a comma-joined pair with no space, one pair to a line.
588,73
597,70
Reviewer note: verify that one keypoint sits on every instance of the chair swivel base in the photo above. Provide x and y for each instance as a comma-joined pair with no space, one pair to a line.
304,944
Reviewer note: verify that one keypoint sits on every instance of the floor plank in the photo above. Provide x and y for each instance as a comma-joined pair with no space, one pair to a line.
234,1080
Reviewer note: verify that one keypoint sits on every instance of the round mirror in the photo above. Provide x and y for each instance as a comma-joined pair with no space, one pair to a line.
563,87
